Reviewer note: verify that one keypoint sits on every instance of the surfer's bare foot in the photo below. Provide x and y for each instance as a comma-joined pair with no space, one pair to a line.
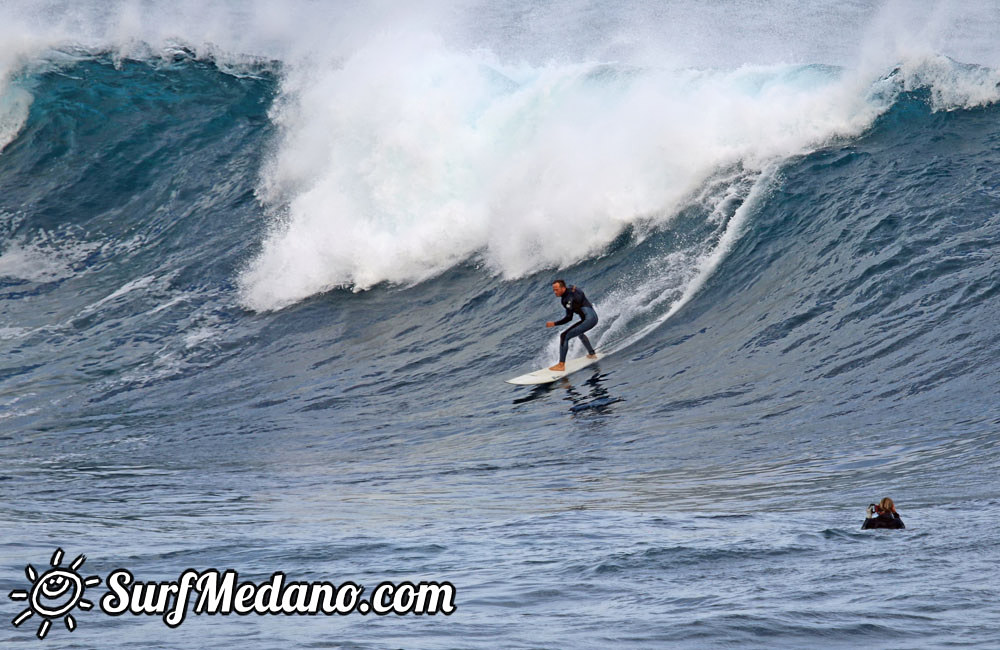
559,367
592,356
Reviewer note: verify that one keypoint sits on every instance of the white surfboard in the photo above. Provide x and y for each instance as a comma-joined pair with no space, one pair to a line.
546,376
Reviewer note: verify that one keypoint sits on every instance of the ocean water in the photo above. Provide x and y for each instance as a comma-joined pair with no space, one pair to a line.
264,269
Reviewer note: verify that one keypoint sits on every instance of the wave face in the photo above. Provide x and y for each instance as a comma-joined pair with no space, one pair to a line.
262,273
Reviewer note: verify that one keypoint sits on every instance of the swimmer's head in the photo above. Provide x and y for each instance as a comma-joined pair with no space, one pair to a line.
886,505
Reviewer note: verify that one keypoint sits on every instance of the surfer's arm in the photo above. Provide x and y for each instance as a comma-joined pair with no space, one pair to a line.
565,319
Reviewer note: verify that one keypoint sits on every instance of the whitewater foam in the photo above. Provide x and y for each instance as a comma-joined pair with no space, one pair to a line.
413,139
406,161
410,156
49,257
15,101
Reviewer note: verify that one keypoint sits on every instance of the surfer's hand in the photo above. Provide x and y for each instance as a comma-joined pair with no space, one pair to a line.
550,324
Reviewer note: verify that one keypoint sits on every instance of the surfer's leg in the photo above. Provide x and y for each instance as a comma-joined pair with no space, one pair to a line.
573,332
563,348
590,319
588,323
564,340
564,344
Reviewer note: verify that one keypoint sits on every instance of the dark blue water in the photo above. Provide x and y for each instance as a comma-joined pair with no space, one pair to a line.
702,487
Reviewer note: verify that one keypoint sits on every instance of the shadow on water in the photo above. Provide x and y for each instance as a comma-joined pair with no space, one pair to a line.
597,399
589,396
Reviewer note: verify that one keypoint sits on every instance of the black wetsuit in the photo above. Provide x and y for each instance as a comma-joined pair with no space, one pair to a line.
884,520
575,302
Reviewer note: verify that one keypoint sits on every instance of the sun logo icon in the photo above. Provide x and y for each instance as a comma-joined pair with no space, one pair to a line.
54,593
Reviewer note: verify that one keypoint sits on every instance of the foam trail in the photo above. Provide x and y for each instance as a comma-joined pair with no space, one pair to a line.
665,284
703,268
15,101
14,105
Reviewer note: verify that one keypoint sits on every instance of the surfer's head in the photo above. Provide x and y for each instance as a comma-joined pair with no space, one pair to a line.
559,287
887,506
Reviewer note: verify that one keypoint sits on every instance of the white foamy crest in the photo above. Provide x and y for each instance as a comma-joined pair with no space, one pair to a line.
415,137
952,85
411,158
407,153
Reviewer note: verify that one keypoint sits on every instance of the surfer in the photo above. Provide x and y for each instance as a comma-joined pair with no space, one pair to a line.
574,302
883,515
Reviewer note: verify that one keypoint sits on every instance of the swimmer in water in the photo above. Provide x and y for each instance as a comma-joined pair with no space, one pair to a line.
883,515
